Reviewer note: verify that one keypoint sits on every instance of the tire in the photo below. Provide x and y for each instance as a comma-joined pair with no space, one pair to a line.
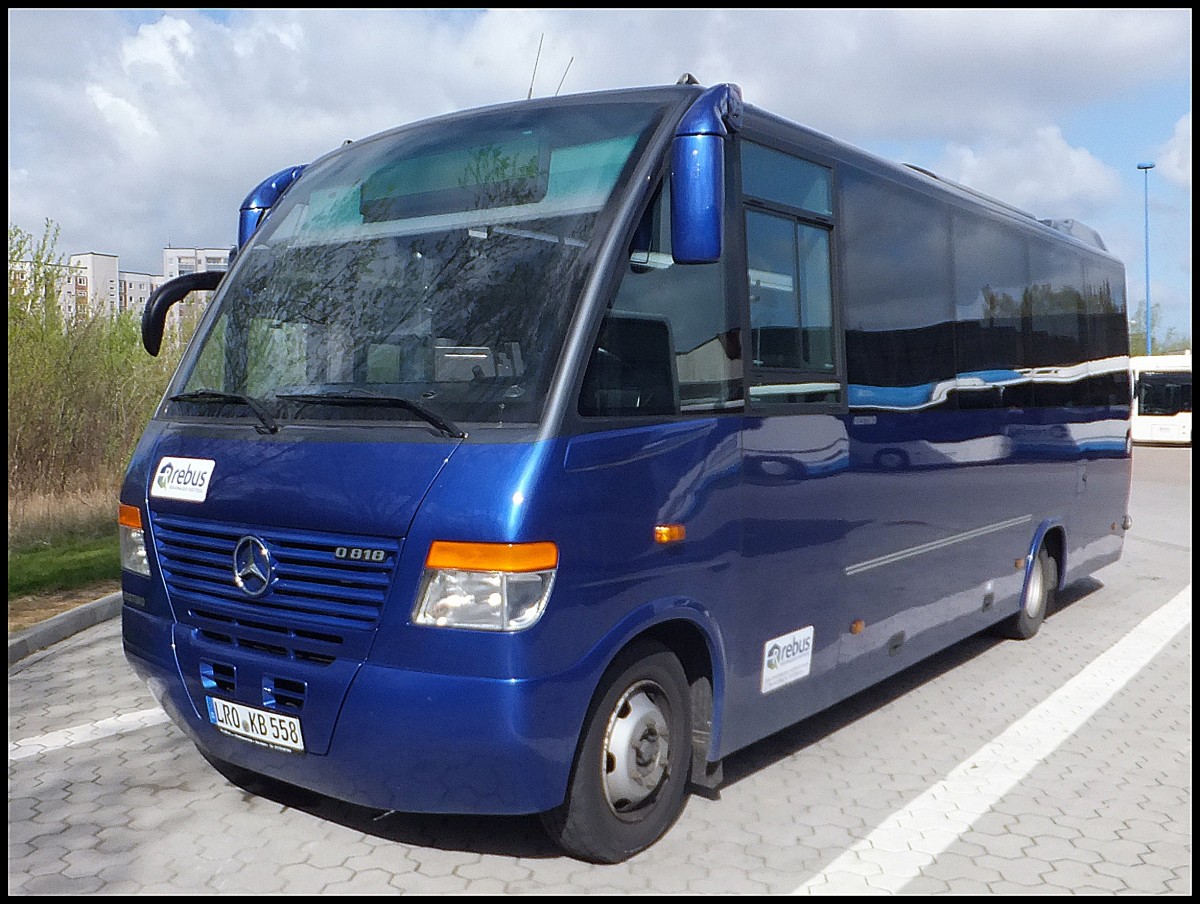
1037,599
629,779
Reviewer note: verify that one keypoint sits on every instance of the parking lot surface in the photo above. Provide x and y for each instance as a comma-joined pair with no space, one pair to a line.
1059,765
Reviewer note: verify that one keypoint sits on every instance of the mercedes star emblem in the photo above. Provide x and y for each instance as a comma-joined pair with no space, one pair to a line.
252,566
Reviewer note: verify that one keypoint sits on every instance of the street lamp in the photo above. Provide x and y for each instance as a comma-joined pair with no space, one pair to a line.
1145,168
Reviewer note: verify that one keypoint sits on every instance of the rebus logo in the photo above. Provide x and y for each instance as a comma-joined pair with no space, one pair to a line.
186,479
787,658
777,655
169,475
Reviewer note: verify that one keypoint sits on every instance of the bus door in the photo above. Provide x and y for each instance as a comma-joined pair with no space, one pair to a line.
794,446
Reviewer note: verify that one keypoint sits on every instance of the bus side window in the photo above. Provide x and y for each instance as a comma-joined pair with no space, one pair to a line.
788,219
790,299
668,343
632,371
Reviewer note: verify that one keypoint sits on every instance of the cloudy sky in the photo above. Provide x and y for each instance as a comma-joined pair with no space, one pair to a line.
137,129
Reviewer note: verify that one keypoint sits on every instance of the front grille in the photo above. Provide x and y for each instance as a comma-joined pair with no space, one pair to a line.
319,606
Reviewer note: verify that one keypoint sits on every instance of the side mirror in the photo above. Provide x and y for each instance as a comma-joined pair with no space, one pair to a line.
154,317
697,198
698,175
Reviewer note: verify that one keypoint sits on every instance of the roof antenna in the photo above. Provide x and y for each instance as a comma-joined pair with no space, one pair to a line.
687,79
535,62
564,78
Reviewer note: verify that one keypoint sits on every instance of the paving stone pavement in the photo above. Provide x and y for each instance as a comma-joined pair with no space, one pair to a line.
132,808
107,797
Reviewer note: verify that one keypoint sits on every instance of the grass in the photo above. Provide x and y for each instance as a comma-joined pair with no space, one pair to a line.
62,542
73,563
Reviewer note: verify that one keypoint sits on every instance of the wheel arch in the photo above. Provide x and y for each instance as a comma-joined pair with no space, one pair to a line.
671,644
690,632
1053,534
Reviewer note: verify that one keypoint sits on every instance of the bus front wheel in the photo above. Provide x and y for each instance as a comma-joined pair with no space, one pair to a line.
629,778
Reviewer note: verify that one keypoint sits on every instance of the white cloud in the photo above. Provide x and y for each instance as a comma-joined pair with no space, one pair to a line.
1175,159
125,120
248,42
159,47
1043,174
139,127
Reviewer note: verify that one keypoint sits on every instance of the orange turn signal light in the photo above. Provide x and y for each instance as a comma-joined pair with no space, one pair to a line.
669,533
129,516
492,556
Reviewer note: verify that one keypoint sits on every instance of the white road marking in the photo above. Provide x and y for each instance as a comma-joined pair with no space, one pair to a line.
84,734
910,839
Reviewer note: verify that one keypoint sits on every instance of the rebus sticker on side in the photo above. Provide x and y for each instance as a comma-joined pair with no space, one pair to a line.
185,479
786,658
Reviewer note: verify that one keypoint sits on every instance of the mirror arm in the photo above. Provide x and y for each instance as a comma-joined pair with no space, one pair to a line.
154,317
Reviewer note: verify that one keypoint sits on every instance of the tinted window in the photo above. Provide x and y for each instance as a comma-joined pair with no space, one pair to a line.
790,300
775,176
899,306
1106,344
1164,394
991,279
1058,323
789,279
668,344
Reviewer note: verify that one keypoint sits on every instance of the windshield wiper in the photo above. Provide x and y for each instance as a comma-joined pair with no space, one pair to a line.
231,398
369,398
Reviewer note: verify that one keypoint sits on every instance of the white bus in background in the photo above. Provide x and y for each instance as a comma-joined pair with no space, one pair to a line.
1162,398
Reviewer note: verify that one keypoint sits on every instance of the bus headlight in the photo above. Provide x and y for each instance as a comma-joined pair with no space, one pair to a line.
133,540
486,586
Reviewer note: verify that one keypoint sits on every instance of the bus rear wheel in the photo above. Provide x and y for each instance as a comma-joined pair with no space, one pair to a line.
1038,597
629,779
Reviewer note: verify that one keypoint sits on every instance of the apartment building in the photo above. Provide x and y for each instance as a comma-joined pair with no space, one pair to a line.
136,288
93,282
178,261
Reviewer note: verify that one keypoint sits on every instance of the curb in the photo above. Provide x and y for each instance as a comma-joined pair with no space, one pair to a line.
62,626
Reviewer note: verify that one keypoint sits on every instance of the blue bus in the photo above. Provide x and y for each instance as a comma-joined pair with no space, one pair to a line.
534,459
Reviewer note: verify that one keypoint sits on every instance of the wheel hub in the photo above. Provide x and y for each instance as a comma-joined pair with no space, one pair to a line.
1036,595
637,747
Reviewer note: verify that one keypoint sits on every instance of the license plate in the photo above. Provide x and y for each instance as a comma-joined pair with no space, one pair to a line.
271,729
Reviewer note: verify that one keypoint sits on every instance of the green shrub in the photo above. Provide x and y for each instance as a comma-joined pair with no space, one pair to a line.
79,394
79,391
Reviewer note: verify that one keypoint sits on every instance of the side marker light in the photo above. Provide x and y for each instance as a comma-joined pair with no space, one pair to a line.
669,533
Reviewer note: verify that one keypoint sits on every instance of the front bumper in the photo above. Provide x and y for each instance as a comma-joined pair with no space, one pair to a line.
398,739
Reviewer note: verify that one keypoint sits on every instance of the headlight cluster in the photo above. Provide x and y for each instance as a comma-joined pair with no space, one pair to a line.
133,540
486,586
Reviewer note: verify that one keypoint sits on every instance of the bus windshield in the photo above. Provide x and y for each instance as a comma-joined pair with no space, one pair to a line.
1166,394
425,273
